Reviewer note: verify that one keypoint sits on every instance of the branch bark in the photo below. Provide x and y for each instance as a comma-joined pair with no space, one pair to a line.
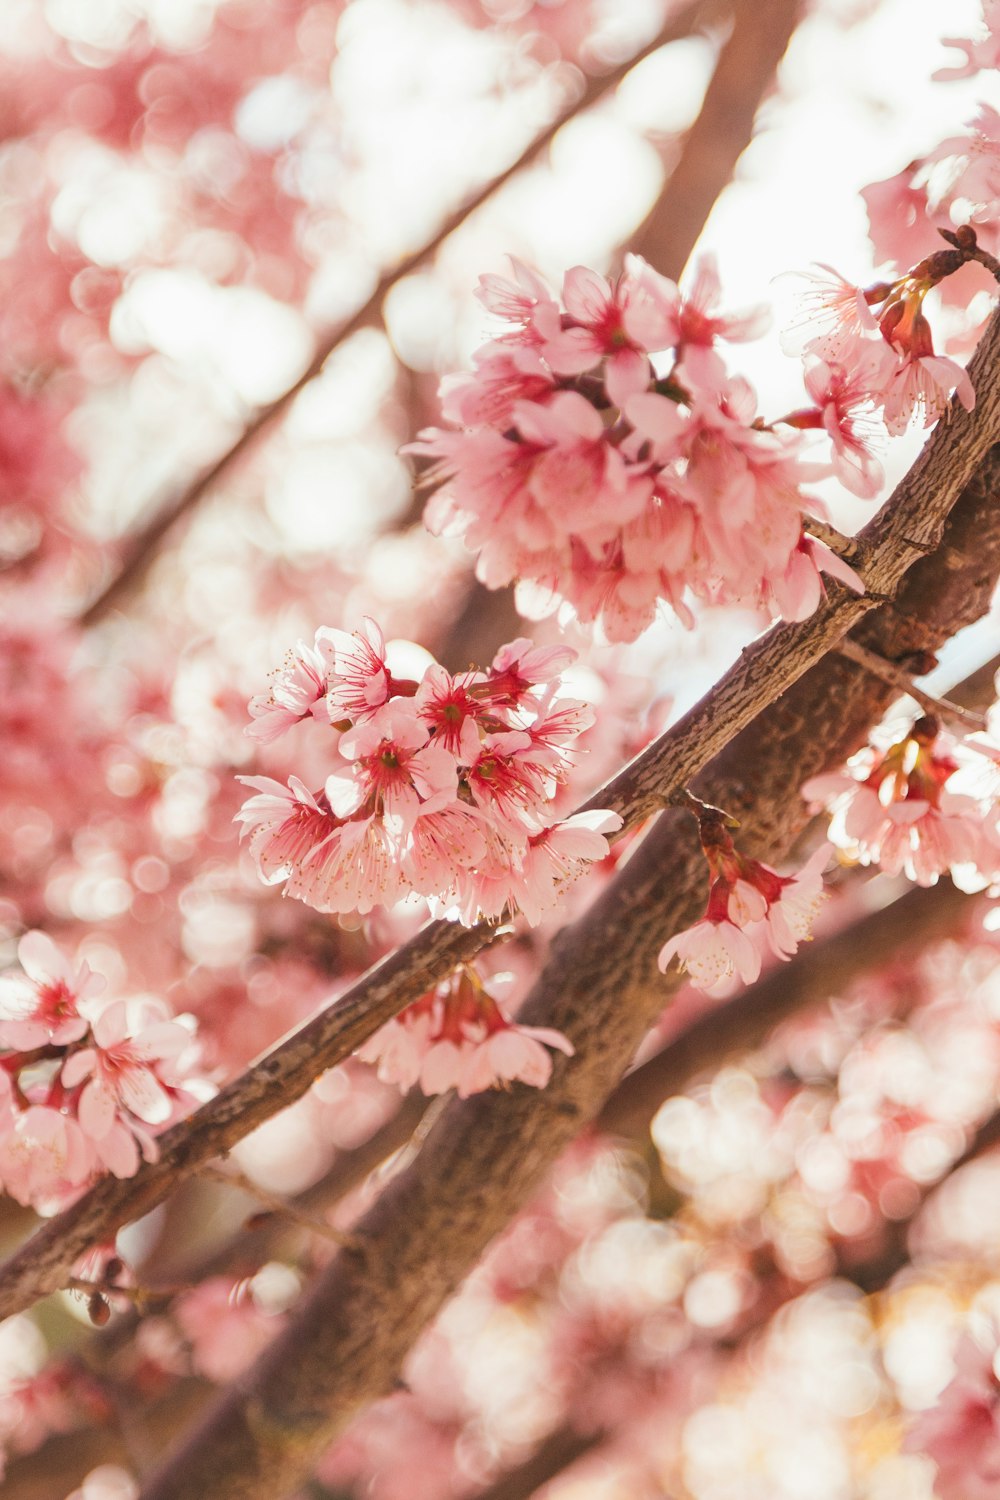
485,1156
913,520
716,141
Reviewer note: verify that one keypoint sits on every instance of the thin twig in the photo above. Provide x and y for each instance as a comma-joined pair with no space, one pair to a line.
890,673
231,1177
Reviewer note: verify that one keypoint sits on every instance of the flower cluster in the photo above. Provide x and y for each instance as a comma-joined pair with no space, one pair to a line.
903,807
82,1085
439,788
457,1037
752,910
578,469
857,363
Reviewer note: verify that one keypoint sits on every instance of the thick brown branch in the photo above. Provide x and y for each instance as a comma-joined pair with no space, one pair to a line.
914,518
717,139
140,549
485,1156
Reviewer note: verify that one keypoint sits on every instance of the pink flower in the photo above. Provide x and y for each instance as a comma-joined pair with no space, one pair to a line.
526,301
962,1432
834,320
842,398
923,384
513,1052
45,1158
225,1327
298,688
446,704
502,376
980,56
712,952
893,808
394,771
748,904
358,678
521,665
790,915
43,1006
457,1036
124,1068
558,856
796,593
354,869
599,329
286,824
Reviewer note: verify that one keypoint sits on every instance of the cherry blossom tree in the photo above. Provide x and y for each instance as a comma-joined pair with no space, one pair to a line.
500,813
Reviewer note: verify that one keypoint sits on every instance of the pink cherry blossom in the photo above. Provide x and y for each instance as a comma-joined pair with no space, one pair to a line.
834,320
225,1327
558,856
285,824
980,56
125,1067
962,1432
45,1158
844,407
521,665
894,808
712,952
790,915
750,907
599,329
357,676
457,1036
297,690
42,1007
922,386
796,593
513,1052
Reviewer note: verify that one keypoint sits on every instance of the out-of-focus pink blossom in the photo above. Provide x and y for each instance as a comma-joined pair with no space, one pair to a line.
225,1327
45,1157
962,1432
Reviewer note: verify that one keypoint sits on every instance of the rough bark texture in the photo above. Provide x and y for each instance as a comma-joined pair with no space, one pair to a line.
487,1155
913,521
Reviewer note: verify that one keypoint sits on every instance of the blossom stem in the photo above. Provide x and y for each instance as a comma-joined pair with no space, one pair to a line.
964,239
895,676
849,548
276,1205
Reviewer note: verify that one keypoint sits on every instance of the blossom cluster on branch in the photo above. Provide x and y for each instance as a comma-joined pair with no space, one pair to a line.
922,804
602,454
84,1086
439,788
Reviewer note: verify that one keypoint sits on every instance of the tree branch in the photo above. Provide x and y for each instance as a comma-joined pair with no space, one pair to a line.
485,1156
722,131
913,519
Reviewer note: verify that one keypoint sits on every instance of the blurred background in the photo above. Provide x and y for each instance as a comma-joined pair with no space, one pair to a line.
238,248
